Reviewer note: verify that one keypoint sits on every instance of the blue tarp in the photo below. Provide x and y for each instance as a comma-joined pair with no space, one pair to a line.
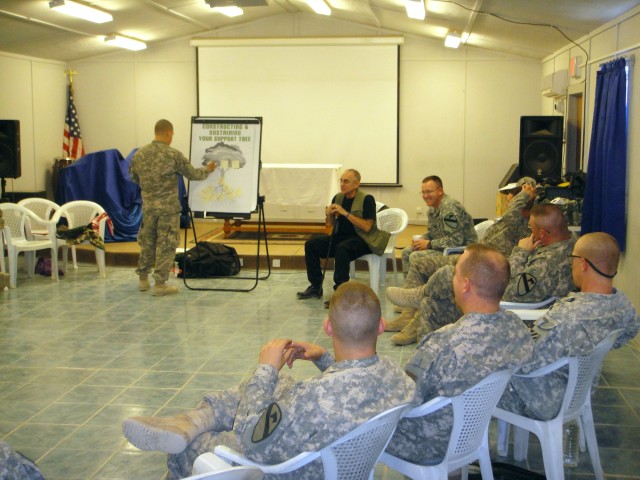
103,178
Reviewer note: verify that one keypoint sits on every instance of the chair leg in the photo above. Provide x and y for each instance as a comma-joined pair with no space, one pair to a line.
485,462
520,443
73,257
552,456
30,263
100,254
13,268
352,269
374,273
382,274
502,445
589,433
54,264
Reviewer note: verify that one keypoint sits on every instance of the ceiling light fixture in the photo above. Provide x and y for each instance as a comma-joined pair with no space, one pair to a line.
319,7
229,11
415,9
80,10
452,40
124,42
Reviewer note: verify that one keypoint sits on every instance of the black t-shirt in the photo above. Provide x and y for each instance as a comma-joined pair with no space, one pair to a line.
344,227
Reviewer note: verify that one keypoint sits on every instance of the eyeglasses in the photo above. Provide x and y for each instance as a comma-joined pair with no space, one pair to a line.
429,192
606,275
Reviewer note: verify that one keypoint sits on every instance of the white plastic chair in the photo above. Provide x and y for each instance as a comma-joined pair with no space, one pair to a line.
210,467
394,221
44,209
353,456
469,439
16,240
77,214
576,404
527,306
480,229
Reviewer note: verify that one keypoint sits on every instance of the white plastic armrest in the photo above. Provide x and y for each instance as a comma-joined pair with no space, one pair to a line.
526,306
545,370
428,407
292,464
526,314
209,462
453,250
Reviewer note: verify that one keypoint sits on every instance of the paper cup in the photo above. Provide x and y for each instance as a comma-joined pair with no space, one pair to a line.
417,237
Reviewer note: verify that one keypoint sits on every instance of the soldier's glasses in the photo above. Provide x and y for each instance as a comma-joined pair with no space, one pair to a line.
606,275
429,192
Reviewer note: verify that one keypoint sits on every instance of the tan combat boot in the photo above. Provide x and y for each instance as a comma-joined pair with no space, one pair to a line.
408,335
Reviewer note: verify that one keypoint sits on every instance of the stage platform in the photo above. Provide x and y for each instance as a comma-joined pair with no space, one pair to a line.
286,250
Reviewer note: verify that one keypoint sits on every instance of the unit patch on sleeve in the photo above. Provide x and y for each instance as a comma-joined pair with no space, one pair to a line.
451,221
526,283
268,422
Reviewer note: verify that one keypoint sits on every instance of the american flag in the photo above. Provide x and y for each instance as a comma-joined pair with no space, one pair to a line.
72,143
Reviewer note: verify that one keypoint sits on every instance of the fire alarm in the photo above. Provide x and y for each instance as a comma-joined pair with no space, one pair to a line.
575,67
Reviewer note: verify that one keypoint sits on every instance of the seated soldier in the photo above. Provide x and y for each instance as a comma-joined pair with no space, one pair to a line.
272,418
540,268
452,359
574,326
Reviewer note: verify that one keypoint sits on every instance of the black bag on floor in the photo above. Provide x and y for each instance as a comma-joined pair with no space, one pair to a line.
208,259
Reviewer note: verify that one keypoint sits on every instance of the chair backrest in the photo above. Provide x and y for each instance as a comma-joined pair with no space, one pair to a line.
354,455
482,228
582,375
43,208
79,213
392,220
472,411
232,473
16,218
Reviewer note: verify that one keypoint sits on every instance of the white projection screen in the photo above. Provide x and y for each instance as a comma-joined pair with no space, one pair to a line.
322,101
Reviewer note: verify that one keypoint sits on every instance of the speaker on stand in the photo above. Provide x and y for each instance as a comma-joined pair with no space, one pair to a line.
541,147
9,152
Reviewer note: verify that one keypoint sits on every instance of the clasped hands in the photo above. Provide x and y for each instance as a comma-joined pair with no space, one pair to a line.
335,210
281,351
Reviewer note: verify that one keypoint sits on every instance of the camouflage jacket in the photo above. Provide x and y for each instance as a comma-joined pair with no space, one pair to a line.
507,231
573,327
449,225
545,272
278,418
155,167
449,361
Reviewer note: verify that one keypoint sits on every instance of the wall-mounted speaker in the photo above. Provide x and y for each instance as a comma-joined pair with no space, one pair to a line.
541,147
9,148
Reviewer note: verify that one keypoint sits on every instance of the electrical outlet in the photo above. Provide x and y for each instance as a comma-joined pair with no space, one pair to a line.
241,262
419,210
276,263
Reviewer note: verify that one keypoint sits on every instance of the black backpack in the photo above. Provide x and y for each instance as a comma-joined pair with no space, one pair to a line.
208,259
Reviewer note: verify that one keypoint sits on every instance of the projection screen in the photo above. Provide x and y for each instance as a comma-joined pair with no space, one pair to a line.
322,101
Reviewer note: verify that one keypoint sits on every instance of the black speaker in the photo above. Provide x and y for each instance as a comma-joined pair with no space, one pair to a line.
9,148
541,147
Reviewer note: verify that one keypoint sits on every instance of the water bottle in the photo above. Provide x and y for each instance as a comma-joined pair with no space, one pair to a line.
570,444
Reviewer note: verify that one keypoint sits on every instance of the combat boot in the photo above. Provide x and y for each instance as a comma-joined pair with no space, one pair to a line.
162,289
408,335
4,281
406,297
167,434
143,282
401,321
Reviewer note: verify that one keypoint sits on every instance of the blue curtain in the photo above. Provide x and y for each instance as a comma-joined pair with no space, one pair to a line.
604,208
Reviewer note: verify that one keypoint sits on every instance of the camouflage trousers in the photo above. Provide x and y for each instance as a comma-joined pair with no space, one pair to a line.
423,266
409,255
438,307
159,236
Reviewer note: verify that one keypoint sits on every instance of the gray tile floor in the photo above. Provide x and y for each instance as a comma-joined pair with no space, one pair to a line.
80,355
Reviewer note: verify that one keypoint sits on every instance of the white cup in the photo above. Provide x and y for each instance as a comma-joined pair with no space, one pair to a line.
417,237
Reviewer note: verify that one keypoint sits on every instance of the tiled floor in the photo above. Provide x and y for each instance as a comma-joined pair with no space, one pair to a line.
80,355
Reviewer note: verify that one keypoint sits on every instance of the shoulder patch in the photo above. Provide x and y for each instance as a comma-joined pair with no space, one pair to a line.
451,221
267,423
526,283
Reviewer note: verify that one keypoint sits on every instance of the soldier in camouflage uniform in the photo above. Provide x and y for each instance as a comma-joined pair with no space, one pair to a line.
156,167
449,361
15,466
540,268
574,326
448,225
271,418
504,234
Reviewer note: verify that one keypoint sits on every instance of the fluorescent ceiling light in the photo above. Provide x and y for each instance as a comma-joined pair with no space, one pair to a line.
124,42
319,7
229,11
79,10
415,9
452,40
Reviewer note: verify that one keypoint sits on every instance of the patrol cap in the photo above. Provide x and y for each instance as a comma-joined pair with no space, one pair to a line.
522,181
